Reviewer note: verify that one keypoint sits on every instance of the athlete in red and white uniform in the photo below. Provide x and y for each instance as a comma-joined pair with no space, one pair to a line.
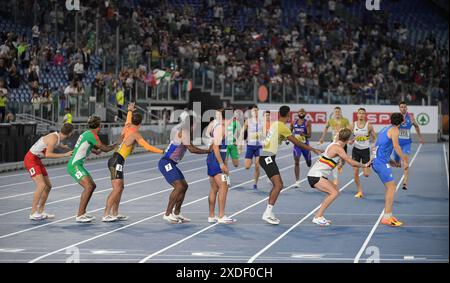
43,148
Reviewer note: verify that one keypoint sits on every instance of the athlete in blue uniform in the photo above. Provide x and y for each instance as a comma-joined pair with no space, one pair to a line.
405,140
301,128
382,164
218,171
181,141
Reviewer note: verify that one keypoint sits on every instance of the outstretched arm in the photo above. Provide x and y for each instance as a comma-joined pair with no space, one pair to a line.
196,150
145,145
416,126
51,142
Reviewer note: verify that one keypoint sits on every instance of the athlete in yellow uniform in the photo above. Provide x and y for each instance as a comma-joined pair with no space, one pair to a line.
337,123
131,136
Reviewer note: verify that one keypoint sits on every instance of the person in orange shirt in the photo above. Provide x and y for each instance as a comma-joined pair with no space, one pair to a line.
131,136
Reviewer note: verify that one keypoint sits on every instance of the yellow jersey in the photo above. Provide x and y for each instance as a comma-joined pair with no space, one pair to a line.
278,133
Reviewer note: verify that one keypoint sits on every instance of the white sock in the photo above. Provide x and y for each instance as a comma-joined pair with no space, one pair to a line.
268,209
387,215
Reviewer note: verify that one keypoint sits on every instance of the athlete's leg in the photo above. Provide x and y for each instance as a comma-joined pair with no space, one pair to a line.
45,193
406,173
212,196
39,181
89,186
181,195
277,183
247,163
389,197
357,180
117,185
257,170
179,189
327,187
222,193
297,168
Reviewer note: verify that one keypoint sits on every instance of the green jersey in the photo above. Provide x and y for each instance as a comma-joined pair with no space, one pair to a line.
83,147
232,129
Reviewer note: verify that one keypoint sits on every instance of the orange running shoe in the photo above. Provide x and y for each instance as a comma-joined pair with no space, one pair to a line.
392,221
359,195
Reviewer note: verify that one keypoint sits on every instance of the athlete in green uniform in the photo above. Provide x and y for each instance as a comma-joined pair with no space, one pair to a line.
87,142
232,150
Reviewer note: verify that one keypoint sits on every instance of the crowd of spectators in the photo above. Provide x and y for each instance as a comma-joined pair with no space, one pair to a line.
241,41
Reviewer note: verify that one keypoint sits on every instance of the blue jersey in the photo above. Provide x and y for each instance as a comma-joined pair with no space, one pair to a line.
383,146
211,158
405,130
175,152
300,130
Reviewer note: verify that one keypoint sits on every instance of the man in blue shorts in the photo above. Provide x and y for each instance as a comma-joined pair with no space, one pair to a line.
405,140
382,164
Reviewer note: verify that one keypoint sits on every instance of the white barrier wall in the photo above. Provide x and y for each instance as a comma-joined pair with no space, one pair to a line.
378,115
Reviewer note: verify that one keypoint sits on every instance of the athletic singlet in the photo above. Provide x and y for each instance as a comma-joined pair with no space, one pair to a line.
324,166
300,130
405,129
176,149
254,130
124,150
211,158
39,148
362,137
384,146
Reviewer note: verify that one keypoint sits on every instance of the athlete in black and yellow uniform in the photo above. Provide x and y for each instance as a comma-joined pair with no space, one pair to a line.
131,136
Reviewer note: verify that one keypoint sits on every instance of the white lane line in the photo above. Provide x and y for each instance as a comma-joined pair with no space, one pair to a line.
130,200
142,220
254,257
137,156
213,225
375,226
90,171
98,179
446,163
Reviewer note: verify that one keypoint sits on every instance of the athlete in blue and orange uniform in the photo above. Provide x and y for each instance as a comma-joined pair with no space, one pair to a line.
382,164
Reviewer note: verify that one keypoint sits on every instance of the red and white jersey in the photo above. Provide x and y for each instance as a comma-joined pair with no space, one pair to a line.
40,147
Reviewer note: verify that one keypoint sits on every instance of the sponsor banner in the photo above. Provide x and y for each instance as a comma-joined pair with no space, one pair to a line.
379,115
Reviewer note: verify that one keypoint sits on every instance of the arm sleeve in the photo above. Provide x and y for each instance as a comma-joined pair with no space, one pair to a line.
148,147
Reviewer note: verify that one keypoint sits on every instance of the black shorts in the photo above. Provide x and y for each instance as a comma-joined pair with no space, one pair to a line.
314,180
115,165
361,155
269,165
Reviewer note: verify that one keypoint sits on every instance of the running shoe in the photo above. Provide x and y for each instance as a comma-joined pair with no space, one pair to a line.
36,217
84,218
212,219
405,188
255,186
392,221
172,219
182,218
298,184
121,217
46,215
109,218
359,195
321,221
271,219
226,220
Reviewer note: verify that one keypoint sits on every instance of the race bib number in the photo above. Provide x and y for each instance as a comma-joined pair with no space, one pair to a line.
78,174
374,152
224,178
32,172
268,160
168,167
404,134
119,167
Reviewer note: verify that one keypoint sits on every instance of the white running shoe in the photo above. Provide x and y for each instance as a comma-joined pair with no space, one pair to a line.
121,217
298,184
109,218
84,218
36,217
271,219
321,221
182,218
226,220
47,215
172,219
212,219
90,216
